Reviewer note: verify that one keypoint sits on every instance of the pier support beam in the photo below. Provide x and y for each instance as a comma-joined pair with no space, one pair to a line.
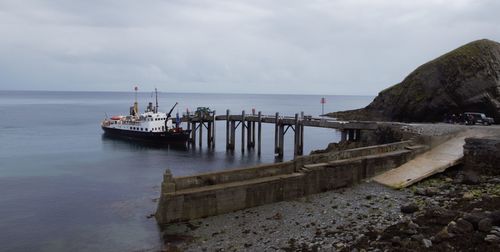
299,137
343,135
233,135
211,130
228,132
243,126
276,133
358,135
351,135
296,136
253,135
249,135
281,140
259,137
190,140
212,140
193,134
200,128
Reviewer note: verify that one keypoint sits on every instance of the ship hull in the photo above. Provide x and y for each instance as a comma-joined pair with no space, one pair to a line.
150,137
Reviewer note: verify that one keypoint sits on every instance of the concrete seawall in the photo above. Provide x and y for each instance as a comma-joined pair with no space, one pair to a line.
191,197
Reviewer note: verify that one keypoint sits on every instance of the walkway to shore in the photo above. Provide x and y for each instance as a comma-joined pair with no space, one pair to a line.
436,160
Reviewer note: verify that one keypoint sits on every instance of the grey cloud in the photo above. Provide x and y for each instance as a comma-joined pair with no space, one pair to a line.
318,46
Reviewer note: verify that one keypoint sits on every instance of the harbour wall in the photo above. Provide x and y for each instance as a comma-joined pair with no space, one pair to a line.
202,195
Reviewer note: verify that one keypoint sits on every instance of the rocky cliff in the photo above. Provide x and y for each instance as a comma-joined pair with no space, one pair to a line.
465,79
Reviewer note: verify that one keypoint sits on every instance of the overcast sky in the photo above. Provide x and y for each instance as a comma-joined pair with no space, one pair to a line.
268,46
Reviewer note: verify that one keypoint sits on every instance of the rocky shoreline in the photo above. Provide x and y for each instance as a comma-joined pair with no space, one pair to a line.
453,211
330,220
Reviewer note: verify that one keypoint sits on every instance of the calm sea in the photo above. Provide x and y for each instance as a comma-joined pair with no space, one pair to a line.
66,187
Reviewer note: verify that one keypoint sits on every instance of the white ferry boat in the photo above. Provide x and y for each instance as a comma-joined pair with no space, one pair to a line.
150,126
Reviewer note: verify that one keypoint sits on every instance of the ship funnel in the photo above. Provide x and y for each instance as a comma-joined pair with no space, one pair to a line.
136,105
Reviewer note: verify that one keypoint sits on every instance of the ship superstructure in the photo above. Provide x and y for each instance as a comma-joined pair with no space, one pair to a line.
152,125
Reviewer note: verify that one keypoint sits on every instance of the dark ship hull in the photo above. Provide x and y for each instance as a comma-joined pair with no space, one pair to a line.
171,137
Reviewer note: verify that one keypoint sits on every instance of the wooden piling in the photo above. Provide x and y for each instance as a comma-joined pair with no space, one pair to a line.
351,134
189,128
281,140
276,133
242,131
249,135
200,131
296,136
193,134
253,135
301,149
213,130
343,135
259,137
358,134
228,139
209,133
233,135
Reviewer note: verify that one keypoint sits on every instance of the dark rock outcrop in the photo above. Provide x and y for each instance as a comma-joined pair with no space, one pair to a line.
465,79
482,155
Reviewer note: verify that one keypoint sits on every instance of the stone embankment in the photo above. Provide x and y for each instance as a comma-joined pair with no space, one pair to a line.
192,197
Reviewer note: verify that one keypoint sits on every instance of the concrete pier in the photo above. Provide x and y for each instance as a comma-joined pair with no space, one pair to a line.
202,195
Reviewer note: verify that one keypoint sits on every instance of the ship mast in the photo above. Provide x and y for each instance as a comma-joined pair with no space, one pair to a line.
136,105
156,108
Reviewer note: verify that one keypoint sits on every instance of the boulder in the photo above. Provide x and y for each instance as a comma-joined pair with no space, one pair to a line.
485,225
474,218
470,178
443,234
495,217
464,226
409,208
492,239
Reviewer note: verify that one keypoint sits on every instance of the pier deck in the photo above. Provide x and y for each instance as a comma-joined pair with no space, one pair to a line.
250,126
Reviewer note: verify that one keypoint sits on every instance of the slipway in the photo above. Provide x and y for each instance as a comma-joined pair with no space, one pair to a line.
436,160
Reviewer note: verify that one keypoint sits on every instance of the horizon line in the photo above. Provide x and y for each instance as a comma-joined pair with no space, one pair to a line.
176,92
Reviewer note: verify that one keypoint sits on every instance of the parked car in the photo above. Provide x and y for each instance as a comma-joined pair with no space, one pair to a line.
478,118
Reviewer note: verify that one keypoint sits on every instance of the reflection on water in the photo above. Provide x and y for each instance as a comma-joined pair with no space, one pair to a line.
119,142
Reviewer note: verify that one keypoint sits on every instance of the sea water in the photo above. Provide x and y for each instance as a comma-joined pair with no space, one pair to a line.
66,187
